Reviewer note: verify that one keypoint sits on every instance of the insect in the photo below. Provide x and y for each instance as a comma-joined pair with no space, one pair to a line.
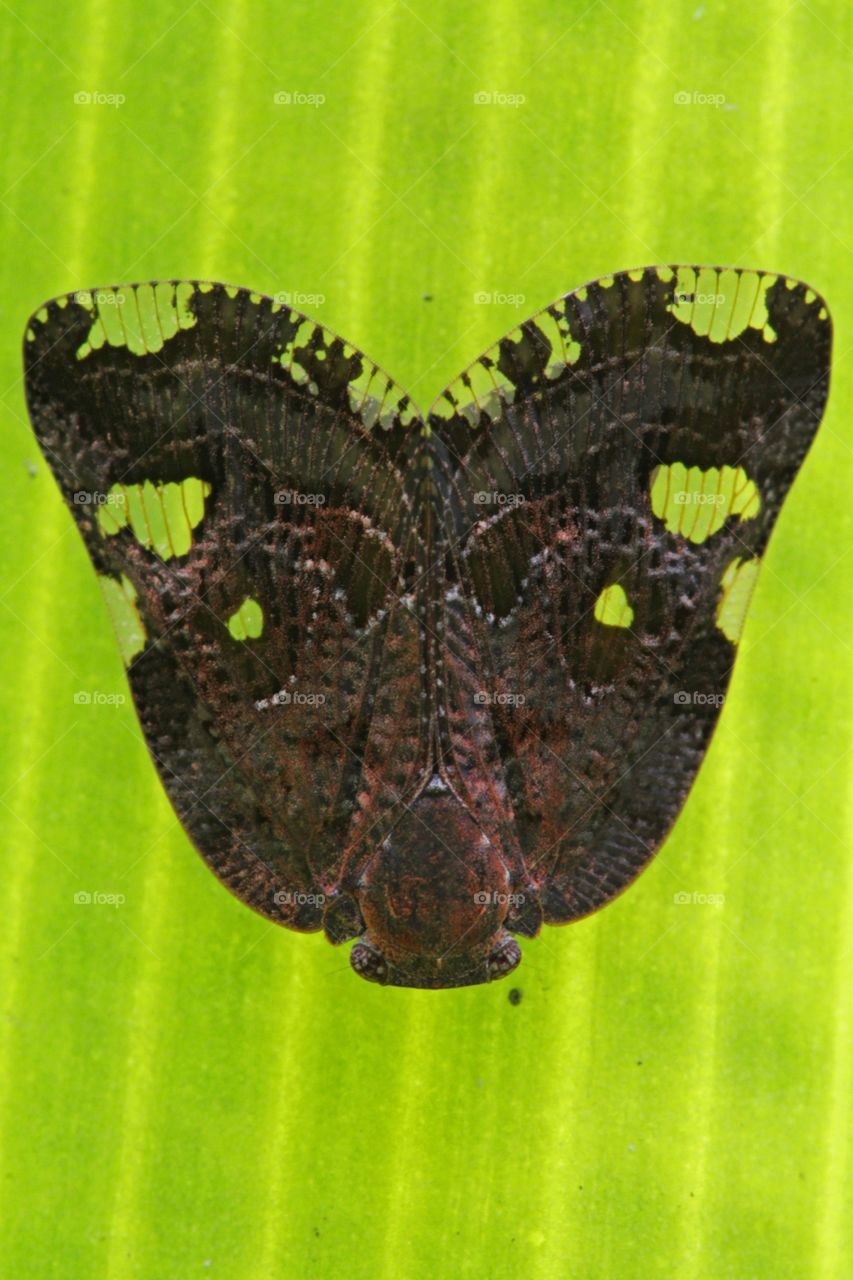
429,682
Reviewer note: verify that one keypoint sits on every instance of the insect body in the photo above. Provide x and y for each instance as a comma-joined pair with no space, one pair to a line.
429,681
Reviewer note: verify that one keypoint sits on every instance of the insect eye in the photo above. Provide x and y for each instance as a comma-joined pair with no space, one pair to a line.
504,958
368,962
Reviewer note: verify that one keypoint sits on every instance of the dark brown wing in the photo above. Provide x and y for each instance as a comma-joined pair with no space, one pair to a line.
239,476
617,464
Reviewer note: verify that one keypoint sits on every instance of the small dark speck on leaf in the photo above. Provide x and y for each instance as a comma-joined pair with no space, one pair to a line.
427,297
515,996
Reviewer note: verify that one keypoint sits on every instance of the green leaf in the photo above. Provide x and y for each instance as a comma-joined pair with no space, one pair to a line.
186,1089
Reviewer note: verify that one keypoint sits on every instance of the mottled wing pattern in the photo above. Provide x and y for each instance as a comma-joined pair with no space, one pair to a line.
614,468
242,480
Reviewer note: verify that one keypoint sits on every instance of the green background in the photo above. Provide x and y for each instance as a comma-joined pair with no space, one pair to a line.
186,1090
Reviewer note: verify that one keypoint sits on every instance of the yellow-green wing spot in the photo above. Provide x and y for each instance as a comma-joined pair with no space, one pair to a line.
374,398
287,356
612,607
372,395
248,621
696,503
736,585
484,388
553,324
720,305
161,516
120,598
140,317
